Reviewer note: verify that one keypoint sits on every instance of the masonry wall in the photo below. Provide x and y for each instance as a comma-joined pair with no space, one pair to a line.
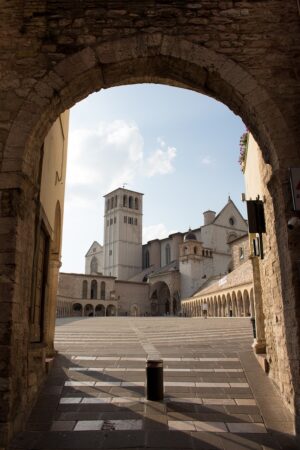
239,258
133,294
54,54
279,308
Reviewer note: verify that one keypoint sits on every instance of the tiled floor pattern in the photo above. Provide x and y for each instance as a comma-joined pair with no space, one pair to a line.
94,396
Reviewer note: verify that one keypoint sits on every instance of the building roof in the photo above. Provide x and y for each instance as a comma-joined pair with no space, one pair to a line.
99,247
237,210
243,236
171,267
126,191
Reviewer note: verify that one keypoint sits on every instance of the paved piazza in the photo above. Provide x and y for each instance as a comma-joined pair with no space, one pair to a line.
216,394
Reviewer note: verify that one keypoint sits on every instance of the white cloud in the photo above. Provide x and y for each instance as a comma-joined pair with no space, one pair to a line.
160,162
161,142
158,231
207,161
103,159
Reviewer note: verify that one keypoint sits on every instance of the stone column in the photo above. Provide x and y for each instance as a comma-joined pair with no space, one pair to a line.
259,344
50,313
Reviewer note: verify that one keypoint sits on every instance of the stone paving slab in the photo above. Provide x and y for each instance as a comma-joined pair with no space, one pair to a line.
214,397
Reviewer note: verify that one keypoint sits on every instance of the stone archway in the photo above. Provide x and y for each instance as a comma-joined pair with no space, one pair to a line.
134,310
111,310
88,310
100,310
35,90
77,309
160,299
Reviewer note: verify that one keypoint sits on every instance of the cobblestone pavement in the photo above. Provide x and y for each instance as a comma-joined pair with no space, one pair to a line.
216,395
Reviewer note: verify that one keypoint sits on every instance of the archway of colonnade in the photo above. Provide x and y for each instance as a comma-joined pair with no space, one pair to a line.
48,72
232,304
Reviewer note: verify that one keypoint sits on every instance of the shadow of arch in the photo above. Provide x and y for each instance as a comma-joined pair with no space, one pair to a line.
77,310
99,311
88,310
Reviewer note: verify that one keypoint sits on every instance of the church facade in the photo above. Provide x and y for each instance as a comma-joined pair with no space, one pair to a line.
149,279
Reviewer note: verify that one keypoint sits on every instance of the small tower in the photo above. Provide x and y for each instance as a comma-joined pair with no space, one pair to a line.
195,264
123,233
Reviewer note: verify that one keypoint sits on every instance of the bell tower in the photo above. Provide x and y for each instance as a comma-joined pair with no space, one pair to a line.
123,233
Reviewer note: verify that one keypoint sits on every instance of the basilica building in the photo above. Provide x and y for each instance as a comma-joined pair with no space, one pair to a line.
125,277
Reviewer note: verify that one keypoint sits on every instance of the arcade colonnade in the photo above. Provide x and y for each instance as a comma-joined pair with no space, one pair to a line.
233,303
78,308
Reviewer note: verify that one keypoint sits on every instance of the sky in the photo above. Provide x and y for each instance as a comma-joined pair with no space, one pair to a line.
178,147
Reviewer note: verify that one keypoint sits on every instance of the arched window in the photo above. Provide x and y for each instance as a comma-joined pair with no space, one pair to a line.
94,289
195,250
130,202
112,202
147,259
102,293
94,265
84,289
168,254
241,252
125,200
136,203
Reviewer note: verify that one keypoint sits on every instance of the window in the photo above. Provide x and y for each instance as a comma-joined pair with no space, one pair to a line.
147,259
130,202
168,253
84,289
110,252
111,221
116,201
102,290
94,265
241,252
125,200
112,202
115,220
231,221
125,219
94,289
136,203
195,250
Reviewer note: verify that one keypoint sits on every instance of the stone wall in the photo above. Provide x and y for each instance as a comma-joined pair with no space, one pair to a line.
124,295
280,307
53,54
239,256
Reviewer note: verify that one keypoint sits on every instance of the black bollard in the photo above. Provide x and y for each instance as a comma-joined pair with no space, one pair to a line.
253,326
155,379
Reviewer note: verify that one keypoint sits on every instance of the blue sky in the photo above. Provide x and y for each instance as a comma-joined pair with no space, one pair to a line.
178,147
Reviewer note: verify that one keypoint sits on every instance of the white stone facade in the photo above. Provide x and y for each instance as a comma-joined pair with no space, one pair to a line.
155,277
123,233
94,259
